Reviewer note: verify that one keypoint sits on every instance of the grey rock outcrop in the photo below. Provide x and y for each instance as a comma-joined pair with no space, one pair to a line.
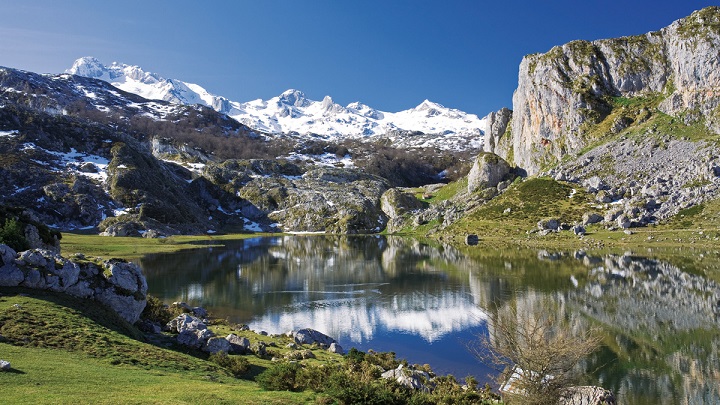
395,202
571,85
488,170
238,345
331,200
336,348
217,345
310,336
495,140
119,285
413,379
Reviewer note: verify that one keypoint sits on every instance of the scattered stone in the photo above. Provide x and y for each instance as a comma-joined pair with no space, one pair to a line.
550,224
300,355
336,348
578,230
200,312
194,338
217,345
238,345
591,218
413,379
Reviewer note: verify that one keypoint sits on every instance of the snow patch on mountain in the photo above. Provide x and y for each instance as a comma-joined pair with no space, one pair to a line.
292,113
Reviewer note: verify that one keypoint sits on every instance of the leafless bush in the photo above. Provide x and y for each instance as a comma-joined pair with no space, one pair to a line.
537,349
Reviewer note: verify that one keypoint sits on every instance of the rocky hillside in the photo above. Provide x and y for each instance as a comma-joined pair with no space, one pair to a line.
564,93
80,154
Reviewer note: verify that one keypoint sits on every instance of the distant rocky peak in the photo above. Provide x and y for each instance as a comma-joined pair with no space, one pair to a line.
294,98
429,105
87,66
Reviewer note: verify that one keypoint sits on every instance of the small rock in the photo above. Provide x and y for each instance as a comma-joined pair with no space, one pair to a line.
578,230
5,365
336,348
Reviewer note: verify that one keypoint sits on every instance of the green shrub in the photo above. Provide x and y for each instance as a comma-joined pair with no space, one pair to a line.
348,389
156,311
236,365
279,377
12,235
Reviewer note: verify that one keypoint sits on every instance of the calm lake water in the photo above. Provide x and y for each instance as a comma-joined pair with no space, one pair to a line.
428,304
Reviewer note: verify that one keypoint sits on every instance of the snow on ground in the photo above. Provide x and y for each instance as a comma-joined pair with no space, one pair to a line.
196,168
326,159
82,164
9,134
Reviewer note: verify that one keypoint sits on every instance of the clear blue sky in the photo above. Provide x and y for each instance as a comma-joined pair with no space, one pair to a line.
389,54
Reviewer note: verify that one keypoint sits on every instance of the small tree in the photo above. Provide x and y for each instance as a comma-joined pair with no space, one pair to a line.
11,234
537,349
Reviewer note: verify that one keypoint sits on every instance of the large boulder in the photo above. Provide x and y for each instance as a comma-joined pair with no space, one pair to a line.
238,345
396,202
217,345
10,276
488,170
310,336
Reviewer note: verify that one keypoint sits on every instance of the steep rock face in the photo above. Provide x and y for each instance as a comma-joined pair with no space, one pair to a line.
571,85
497,124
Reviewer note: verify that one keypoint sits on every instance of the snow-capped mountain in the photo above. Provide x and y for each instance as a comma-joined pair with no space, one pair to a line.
428,124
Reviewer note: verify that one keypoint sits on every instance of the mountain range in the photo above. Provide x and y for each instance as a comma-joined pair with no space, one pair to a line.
292,113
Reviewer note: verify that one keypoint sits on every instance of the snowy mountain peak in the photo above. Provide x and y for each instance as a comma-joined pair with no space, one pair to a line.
294,98
427,105
87,66
293,113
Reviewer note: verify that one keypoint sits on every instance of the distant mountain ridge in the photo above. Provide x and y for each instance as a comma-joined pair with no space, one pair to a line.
292,112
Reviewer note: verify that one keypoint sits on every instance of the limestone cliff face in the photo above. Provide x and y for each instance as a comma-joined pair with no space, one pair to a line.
562,92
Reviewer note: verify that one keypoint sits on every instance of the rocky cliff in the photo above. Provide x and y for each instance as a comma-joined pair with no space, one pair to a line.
563,93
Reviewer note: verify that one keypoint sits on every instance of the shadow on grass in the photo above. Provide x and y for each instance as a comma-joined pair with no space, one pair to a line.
53,330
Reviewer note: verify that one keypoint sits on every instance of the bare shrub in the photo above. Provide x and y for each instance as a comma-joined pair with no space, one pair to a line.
538,350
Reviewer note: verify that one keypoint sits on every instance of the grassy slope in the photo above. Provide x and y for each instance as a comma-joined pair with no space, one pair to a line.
66,350
131,248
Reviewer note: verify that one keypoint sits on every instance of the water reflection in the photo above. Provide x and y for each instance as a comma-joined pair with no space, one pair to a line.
426,302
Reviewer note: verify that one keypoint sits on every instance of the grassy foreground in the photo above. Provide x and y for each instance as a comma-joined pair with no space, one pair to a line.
66,350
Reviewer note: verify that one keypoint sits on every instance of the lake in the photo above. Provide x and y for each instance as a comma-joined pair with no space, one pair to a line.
430,303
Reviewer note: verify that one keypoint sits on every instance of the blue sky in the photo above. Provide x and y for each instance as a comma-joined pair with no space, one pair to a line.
388,54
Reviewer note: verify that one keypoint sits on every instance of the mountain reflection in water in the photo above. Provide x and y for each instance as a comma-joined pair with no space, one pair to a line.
427,303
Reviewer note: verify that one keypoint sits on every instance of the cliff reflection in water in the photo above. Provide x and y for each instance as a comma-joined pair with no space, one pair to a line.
660,323
347,287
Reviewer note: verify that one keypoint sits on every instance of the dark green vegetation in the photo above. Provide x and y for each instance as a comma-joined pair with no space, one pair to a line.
357,381
12,229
